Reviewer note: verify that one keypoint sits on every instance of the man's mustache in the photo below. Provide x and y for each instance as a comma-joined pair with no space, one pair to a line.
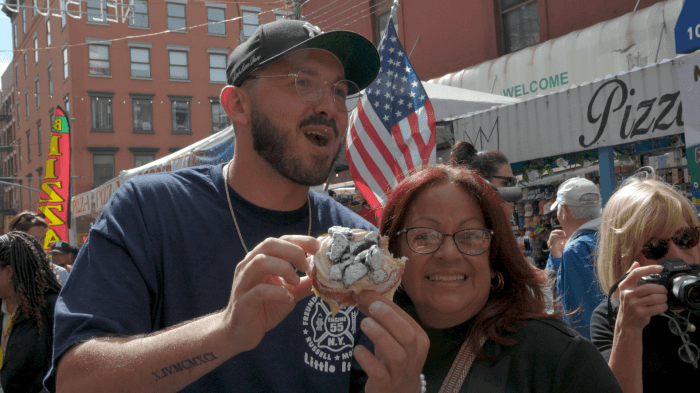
318,120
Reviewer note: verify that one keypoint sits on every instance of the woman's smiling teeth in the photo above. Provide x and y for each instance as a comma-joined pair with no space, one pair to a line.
452,278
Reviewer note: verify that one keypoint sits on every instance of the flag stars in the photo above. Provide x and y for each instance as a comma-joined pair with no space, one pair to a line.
402,90
376,91
410,105
398,113
387,95
414,84
408,69
401,102
388,84
404,79
393,38
386,106
422,97
376,104
413,94
386,118
391,50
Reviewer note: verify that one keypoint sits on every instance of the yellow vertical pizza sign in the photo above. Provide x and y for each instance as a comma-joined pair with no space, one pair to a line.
55,189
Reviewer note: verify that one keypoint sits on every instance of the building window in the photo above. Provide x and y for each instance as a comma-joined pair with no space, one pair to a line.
140,15
16,75
24,21
280,15
25,64
14,27
99,59
219,118
48,31
50,80
521,24
36,50
95,11
178,65
63,13
18,114
34,10
36,84
143,155
251,21
50,119
101,111
66,105
176,16
29,146
140,62
180,111
217,68
38,137
26,101
65,63
142,107
216,15
102,164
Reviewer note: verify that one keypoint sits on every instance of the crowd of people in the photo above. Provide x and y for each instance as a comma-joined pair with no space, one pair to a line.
214,298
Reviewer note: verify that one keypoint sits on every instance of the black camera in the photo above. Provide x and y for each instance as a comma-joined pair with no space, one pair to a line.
682,281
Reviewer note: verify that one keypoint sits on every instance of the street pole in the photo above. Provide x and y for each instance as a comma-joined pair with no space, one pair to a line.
296,9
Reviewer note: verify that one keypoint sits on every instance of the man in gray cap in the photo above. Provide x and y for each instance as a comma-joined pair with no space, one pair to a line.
572,251
187,281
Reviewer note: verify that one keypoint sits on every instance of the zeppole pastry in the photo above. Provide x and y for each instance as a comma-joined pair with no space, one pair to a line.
350,261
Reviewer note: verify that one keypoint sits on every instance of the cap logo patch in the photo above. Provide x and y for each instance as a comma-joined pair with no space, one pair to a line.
312,30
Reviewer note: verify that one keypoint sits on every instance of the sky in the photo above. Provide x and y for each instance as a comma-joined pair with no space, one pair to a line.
5,42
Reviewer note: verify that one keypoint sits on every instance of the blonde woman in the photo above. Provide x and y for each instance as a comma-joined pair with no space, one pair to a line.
647,345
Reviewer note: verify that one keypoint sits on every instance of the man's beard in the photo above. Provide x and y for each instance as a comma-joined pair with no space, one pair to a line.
273,144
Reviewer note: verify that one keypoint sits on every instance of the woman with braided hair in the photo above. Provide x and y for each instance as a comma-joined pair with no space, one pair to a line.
28,288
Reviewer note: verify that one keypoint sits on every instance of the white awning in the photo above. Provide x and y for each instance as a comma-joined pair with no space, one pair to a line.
632,106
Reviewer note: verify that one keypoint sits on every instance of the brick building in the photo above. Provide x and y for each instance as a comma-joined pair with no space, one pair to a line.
131,99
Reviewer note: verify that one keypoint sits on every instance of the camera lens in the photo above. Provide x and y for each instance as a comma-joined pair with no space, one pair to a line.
686,290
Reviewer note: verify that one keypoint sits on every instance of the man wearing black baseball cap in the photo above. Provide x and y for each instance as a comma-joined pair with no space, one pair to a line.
187,280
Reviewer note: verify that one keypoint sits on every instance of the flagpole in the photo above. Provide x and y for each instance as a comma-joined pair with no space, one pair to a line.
394,15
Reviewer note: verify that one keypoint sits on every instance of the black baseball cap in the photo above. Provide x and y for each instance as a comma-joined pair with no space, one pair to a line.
61,247
273,40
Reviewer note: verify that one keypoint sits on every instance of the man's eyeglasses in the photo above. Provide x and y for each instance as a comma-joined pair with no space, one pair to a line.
685,239
470,241
311,86
510,180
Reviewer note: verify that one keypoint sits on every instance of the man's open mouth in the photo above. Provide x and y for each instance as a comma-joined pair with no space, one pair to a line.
316,138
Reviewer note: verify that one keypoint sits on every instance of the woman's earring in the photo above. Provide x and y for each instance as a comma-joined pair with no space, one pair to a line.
501,283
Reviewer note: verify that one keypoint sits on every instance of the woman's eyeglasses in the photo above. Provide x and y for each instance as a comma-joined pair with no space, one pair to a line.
311,86
685,239
470,241
510,180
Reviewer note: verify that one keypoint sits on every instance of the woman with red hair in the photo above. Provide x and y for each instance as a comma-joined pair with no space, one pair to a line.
476,296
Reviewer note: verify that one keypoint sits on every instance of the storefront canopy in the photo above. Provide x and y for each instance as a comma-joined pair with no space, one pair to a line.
631,106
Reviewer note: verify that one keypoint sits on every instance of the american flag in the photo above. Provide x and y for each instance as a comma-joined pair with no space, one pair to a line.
392,131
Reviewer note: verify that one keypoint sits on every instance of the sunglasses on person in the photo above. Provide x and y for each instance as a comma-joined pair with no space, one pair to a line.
311,86
510,180
685,239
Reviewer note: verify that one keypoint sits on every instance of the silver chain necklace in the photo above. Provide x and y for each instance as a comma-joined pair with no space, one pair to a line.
230,207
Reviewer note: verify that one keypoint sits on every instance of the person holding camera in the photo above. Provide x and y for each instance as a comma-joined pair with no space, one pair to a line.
647,343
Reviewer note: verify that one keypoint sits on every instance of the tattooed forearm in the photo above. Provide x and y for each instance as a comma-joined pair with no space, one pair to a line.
183,365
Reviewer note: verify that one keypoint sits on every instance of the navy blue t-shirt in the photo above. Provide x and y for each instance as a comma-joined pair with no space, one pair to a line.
164,251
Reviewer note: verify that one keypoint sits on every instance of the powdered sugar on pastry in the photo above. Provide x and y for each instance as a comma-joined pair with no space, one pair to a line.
350,261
